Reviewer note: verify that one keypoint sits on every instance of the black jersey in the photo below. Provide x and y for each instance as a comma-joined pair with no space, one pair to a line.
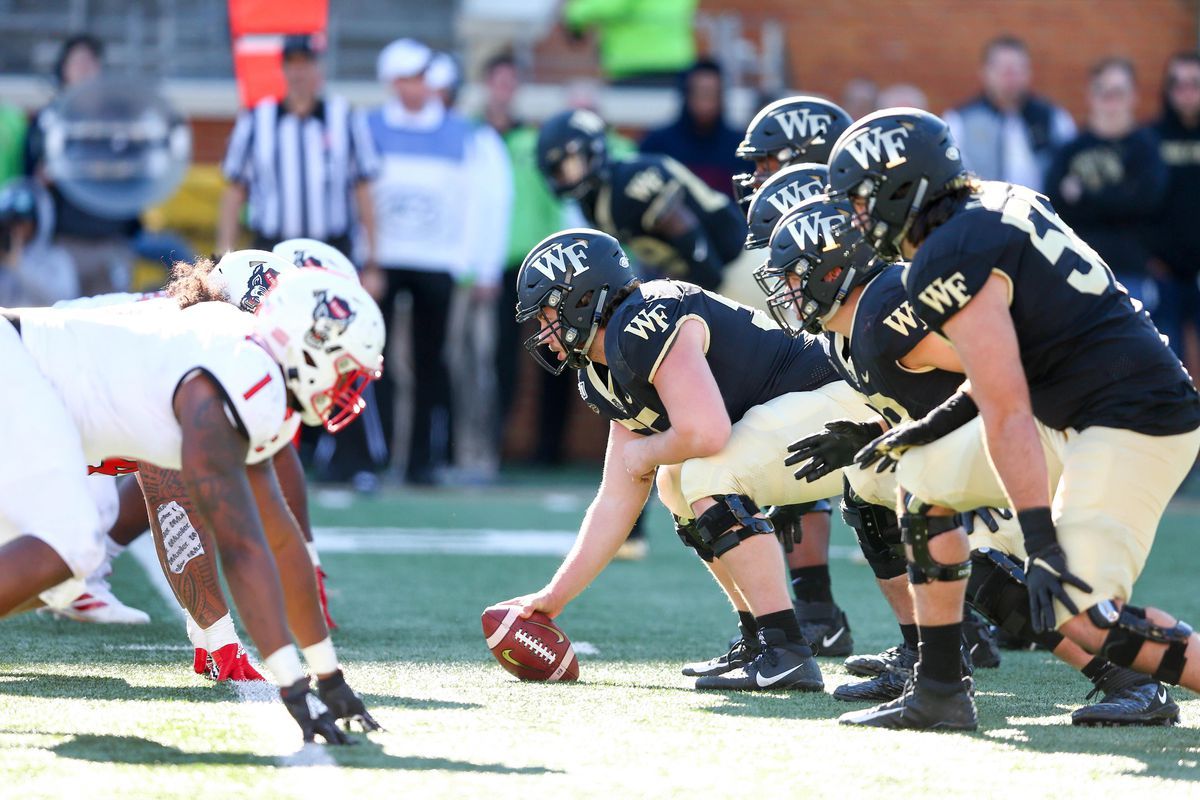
885,329
1091,356
751,358
636,196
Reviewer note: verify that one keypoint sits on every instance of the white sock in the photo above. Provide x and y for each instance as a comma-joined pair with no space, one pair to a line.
284,666
321,658
195,632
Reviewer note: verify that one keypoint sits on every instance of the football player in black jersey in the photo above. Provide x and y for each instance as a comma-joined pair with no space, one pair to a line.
674,224
1067,379
884,350
823,622
703,395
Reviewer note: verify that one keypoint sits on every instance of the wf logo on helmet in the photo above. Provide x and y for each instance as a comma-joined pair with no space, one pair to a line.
556,257
814,228
331,317
261,279
873,144
792,195
801,123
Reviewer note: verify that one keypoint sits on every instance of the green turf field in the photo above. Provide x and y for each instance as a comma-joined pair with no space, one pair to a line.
109,712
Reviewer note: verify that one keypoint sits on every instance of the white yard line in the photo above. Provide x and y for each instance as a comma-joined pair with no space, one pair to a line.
279,734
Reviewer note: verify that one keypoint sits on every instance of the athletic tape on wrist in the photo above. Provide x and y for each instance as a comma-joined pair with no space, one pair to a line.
321,657
312,553
220,633
284,666
180,539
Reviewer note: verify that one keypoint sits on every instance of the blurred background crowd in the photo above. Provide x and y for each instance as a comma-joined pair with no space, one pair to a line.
405,132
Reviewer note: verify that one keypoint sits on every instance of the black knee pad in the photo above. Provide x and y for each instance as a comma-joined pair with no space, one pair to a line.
1129,629
878,533
917,529
997,590
718,527
687,533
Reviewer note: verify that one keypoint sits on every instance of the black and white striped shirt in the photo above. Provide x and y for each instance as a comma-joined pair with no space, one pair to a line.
301,171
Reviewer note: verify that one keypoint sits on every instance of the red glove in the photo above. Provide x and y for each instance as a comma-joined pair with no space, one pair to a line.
324,600
230,663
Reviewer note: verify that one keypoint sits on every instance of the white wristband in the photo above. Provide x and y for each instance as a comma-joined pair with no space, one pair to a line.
321,658
284,665
312,553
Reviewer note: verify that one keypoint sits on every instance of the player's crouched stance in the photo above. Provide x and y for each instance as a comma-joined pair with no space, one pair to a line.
691,413
214,389
1088,423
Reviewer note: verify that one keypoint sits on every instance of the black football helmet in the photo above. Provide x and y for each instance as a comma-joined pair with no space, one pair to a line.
816,258
576,272
895,160
778,195
572,151
792,130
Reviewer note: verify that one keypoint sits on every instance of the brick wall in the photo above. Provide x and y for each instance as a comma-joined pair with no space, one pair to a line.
936,44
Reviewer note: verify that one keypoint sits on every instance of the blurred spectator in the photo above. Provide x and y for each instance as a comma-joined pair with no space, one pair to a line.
13,126
100,247
33,272
1109,181
585,93
903,94
537,213
434,229
444,78
1007,133
642,42
860,96
1176,237
699,138
303,163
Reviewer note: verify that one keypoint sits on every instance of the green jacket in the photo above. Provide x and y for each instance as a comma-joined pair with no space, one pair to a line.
12,142
638,36
536,212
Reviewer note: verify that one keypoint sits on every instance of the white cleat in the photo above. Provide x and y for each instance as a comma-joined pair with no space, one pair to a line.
99,605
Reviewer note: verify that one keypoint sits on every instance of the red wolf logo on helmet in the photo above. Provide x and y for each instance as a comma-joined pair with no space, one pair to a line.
331,316
261,279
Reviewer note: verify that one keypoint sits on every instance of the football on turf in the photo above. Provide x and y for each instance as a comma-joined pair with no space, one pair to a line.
533,649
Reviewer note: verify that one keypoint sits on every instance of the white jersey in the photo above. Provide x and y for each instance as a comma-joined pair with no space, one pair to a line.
118,371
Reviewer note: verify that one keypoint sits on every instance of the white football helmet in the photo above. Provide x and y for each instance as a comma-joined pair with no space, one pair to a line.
315,253
242,277
327,334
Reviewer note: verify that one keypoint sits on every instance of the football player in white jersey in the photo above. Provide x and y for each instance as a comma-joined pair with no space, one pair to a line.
211,392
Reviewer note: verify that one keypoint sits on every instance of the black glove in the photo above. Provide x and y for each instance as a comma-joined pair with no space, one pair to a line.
1045,569
832,449
986,514
957,410
311,714
344,703
786,520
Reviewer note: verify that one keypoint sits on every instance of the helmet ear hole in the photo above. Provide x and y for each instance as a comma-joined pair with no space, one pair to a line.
586,299
902,191
308,359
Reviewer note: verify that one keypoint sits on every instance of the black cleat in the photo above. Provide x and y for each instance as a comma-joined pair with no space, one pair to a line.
780,665
925,706
980,640
887,685
740,654
1129,698
826,627
870,665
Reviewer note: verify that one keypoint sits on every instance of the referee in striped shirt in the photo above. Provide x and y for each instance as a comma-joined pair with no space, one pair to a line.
303,164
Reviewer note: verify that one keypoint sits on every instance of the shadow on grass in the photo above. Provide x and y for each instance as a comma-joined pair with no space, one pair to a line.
89,687
415,703
1158,752
111,749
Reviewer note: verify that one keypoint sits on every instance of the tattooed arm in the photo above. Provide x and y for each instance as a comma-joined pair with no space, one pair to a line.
196,585
214,473
286,540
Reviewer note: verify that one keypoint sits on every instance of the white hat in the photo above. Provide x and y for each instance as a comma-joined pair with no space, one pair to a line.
403,58
442,72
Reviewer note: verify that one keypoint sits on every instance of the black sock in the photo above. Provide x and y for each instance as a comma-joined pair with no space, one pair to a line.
941,655
749,626
911,637
782,620
812,584
1092,669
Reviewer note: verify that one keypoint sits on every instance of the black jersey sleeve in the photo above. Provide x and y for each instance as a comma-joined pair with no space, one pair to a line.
646,336
604,397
